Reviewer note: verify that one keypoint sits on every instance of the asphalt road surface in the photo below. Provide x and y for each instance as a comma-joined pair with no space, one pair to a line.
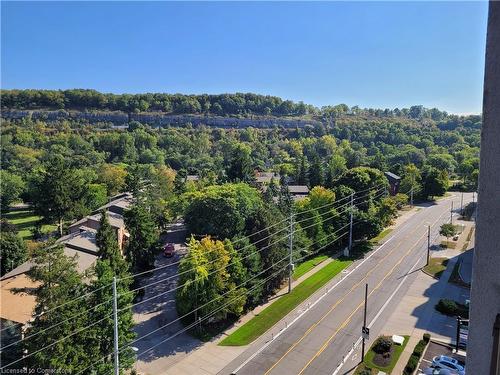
321,338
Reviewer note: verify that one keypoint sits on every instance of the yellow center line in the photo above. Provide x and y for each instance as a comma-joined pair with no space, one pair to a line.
314,325
329,340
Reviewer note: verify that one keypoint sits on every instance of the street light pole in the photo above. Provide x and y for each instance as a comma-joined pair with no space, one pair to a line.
364,325
428,244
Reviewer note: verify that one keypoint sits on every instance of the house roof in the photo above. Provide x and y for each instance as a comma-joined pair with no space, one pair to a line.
117,204
298,189
17,289
18,299
115,220
393,176
83,241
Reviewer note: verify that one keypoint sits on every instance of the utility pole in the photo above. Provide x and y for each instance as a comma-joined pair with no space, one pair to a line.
451,213
459,321
411,196
350,225
365,331
462,204
428,244
474,205
290,245
115,318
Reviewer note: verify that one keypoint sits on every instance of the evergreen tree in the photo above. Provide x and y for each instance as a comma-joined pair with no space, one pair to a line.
59,284
107,243
285,200
316,175
143,239
101,342
302,172
110,264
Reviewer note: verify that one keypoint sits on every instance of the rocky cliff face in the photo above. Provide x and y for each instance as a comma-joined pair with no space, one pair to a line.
158,119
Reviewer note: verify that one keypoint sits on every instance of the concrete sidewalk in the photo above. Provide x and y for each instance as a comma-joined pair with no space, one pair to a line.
416,315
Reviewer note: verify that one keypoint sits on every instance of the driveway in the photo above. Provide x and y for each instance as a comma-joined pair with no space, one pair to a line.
158,309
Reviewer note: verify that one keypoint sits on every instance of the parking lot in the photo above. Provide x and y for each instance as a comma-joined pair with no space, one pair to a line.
435,349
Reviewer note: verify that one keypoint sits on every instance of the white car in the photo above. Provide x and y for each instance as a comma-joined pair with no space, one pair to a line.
448,363
437,371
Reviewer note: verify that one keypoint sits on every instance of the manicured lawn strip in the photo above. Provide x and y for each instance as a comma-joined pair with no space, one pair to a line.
25,221
259,324
436,267
448,244
381,236
308,265
398,349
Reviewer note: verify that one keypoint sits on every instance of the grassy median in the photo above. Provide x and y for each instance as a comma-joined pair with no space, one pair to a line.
268,317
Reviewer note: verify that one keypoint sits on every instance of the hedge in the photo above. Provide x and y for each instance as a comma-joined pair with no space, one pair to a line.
412,363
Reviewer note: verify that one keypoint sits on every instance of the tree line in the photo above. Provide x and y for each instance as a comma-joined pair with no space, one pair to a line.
237,104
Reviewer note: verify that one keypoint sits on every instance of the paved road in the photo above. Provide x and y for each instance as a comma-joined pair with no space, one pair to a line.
317,342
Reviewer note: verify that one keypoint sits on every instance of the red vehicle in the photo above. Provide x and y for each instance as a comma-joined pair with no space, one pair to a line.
169,250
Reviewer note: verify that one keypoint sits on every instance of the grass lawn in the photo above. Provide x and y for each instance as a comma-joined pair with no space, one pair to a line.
368,360
25,221
436,267
259,324
308,265
449,244
381,235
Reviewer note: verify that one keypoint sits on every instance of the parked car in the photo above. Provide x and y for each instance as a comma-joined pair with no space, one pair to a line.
448,363
169,250
438,371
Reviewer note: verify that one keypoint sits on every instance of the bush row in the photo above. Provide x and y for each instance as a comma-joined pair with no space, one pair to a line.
412,363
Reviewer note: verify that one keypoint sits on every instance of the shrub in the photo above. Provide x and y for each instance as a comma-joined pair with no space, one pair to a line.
366,371
419,348
382,345
447,307
411,365
427,337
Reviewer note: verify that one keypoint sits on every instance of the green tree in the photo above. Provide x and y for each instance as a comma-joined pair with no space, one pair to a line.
11,188
434,182
143,240
448,230
59,284
102,334
107,243
58,192
96,195
208,278
14,250
221,210
113,176
240,164
316,174
411,180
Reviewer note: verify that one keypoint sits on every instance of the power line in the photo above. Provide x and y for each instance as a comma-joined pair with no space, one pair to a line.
255,233
192,325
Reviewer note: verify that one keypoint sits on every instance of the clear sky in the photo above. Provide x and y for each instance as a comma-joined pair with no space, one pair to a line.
375,54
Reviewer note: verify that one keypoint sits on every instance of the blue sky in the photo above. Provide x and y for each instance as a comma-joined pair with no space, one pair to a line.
372,54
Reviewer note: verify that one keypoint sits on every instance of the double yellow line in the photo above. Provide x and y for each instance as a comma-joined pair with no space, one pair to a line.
314,325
